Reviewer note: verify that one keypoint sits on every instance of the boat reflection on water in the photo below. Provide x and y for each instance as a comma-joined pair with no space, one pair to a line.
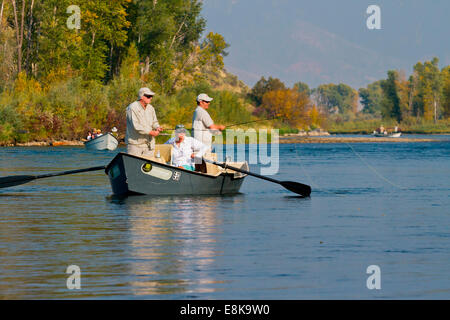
173,243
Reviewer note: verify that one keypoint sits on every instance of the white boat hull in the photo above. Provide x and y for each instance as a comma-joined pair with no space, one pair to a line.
104,142
391,135
395,135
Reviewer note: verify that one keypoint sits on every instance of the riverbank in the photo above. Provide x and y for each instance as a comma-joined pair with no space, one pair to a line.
282,140
44,143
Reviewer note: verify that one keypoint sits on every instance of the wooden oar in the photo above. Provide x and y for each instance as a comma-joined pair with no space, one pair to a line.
11,181
296,187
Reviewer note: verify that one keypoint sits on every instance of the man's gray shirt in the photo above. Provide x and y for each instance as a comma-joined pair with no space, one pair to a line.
200,126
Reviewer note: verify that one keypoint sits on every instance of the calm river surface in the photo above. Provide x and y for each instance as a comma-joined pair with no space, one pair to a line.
384,204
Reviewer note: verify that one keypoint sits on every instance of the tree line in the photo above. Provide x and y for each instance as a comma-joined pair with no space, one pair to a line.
37,39
57,81
425,95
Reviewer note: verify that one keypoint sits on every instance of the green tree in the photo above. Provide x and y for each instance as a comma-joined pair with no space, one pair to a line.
302,87
58,46
427,87
390,104
371,98
122,90
339,98
445,76
46,46
205,58
263,86
167,34
7,45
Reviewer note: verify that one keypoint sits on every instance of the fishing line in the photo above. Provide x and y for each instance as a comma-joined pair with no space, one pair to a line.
371,167
304,171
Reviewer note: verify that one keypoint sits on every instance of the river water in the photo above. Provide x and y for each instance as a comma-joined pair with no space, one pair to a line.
382,204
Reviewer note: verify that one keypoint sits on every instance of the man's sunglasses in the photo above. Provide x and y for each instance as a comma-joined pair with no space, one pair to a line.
148,96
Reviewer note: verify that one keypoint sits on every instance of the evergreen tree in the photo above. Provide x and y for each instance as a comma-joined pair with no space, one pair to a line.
390,105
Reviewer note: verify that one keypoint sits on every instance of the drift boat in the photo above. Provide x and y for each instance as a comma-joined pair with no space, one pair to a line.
104,142
130,174
156,176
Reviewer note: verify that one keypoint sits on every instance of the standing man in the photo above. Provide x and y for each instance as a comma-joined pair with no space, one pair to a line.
202,122
142,125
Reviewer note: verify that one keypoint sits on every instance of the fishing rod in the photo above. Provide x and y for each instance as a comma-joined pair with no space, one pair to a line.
242,123
232,125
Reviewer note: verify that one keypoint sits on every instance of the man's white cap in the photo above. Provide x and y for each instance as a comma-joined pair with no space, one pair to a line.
204,97
145,91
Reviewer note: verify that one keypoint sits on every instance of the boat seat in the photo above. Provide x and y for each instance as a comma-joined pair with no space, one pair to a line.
239,165
212,169
165,150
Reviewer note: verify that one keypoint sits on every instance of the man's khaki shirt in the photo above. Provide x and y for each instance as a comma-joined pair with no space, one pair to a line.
140,122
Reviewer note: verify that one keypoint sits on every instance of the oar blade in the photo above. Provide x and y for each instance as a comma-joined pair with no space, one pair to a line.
296,187
6,182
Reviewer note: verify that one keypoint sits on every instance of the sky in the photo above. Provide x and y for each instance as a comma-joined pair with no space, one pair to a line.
328,41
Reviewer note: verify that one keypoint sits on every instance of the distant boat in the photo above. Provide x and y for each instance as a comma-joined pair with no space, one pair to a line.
395,135
104,142
387,135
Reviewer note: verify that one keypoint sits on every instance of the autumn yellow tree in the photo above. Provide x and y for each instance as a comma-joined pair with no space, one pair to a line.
426,96
316,118
403,91
290,105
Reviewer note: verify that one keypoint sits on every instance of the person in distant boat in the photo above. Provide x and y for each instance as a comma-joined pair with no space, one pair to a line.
142,125
202,124
89,136
186,149
114,132
99,133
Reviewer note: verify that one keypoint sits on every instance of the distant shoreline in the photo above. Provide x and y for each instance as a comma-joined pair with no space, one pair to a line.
282,140
333,139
